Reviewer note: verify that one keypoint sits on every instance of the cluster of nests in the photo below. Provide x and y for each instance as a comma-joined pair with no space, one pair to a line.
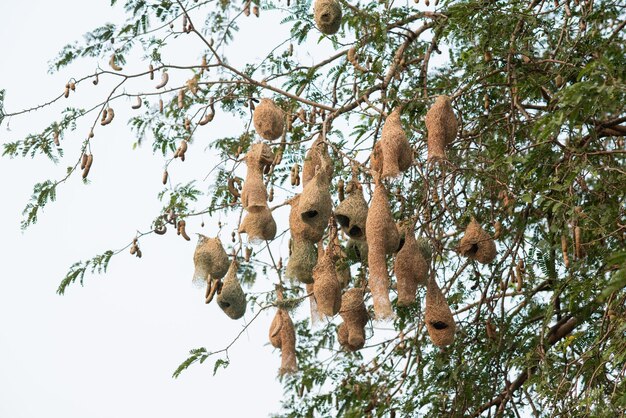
371,230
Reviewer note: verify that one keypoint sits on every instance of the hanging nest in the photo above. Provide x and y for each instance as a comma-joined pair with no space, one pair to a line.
254,193
315,205
441,125
327,16
394,154
259,225
326,286
311,231
343,272
383,239
301,261
439,319
283,337
351,214
269,120
410,268
317,156
355,317
209,258
477,244
231,298
358,248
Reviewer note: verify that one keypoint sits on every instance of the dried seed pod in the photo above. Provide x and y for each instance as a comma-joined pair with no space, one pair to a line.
441,124
160,230
87,165
394,154
301,261
351,214
317,156
497,230
83,161
104,115
564,251
439,320
110,114
206,119
164,79
55,138
192,85
95,80
295,175
268,120
283,336
72,86
477,244
209,258
203,64
113,64
161,106
248,254
181,230
255,10
519,272
383,239
259,225
578,252
315,206
181,99
181,150
326,286
410,268
137,105
352,59
66,92
231,298
246,10
341,190
327,16
254,193
232,188
187,124
355,317
151,71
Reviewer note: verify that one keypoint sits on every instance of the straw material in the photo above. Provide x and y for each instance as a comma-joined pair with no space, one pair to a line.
269,120
395,150
301,261
283,336
410,268
254,193
231,298
259,225
351,214
477,244
316,205
439,320
327,16
317,156
312,231
383,239
326,287
209,258
441,124
355,317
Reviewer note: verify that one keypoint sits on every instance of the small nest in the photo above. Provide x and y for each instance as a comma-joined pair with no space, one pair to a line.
301,261
259,225
394,154
326,286
317,156
410,268
351,214
231,298
283,336
355,317
477,244
300,230
327,16
439,320
269,120
209,259
254,193
441,125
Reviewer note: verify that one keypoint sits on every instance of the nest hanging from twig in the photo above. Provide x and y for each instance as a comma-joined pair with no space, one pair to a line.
269,120
317,156
283,336
477,244
259,224
254,193
327,16
392,154
439,320
209,258
351,333
326,286
410,268
231,298
301,261
441,124
351,213
311,231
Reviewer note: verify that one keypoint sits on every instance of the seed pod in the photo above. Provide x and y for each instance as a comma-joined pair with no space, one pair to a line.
161,106
268,120
246,10
259,225
206,119
160,230
187,124
181,150
341,190
317,156
248,254
497,230
352,59
351,333
302,260
181,230
564,251
192,85
138,104
55,138
231,298
203,64
113,65
351,213
559,81
327,16
441,124
133,249
255,10
477,244
519,272
104,115
87,166
164,79
209,259
438,317
95,80
90,134
270,197
394,154
151,71
83,161
72,86
66,93
110,114
326,287
491,330
295,175
410,268
232,188
282,335
181,98
578,252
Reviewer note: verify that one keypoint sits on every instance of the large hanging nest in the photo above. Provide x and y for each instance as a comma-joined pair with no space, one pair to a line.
259,225
477,244
326,286
382,239
283,337
301,261
315,204
254,193
410,268
269,120
351,213
394,154
231,298
439,320
312,231
351,334
441,125
327,16
317,156
209,259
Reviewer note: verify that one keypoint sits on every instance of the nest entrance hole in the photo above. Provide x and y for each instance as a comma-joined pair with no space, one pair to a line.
343,220
439,325
309,214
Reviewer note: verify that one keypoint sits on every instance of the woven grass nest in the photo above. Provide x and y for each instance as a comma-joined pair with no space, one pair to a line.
439,320
209,259
477,244
231,298
410,267
351,213
327,16
301,261
317,156
283,336
392,154
351,333
269,120
254,193
326,286
259,224
311,231
441,124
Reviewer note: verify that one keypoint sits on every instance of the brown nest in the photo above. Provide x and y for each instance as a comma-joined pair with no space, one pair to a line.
283,336
439,320
441,125
394,154
410,268
351,214
327,16
209,259
269,120
355,317
259,225
254,193
326,286
317,156
477,244
231,298
301,261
